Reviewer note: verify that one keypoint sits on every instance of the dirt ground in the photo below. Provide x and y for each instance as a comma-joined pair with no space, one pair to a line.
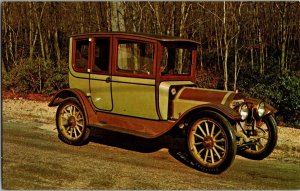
106,163
38,111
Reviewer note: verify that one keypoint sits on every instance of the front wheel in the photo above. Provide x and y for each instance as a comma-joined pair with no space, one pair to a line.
264,137
71,122
211,142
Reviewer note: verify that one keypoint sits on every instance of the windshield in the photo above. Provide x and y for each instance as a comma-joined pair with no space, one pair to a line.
176,61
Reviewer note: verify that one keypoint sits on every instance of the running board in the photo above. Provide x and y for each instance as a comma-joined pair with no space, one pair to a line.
119,130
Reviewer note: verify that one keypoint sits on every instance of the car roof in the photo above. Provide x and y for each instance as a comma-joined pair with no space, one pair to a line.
161,38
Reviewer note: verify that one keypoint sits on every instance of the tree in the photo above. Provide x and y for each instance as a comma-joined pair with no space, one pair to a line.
117,10
236,48
226,44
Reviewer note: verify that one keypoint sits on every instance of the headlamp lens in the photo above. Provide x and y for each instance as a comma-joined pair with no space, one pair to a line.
261,109
244,111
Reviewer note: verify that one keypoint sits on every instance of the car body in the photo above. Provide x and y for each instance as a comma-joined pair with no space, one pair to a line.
145,85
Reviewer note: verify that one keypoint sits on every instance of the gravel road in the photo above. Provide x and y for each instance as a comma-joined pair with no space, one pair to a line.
34,158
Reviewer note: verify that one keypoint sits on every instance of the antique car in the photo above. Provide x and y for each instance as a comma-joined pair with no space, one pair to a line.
145,85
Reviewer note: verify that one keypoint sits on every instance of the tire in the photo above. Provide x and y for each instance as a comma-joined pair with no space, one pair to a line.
266,141
211,142
71,122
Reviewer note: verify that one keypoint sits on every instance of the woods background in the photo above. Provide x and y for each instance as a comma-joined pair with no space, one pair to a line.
249,46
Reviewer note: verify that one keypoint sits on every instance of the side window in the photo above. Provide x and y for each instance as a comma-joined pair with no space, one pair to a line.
102,48
82,53
135,57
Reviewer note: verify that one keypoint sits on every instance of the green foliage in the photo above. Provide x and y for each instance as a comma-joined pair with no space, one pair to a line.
281,91
56,78
24,77
6,80
36,76
207,78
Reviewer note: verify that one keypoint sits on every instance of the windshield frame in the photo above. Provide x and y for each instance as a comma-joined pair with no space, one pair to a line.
184,45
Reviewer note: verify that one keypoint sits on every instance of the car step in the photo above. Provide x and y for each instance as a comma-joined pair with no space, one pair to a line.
104,125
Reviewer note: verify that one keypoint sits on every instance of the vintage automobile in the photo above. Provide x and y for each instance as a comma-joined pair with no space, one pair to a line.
144,85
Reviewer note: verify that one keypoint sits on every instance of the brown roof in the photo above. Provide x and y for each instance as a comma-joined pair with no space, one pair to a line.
162,38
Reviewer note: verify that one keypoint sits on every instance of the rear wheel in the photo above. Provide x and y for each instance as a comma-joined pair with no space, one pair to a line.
211,142
71,122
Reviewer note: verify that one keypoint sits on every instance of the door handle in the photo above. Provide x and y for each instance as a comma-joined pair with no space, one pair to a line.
108,79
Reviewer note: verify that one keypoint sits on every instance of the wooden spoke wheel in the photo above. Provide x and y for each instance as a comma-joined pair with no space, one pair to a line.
70,122
211,142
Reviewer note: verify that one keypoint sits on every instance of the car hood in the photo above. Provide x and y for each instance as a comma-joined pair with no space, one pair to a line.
206,95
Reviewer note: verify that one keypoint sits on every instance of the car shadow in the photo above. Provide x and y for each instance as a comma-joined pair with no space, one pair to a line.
129,142
174,145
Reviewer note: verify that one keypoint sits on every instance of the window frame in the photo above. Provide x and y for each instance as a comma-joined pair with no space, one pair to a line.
190,77
75,68
116,40
94,38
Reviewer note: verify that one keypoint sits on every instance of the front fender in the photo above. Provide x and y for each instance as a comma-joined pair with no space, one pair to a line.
89,111
253,103
221,109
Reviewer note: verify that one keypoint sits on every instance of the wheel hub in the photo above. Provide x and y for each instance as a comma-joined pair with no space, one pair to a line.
208,142
72,121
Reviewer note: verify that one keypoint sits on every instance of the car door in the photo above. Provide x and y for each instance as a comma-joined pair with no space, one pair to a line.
100,74
133,79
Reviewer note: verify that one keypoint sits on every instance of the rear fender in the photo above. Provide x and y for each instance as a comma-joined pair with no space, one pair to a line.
89,111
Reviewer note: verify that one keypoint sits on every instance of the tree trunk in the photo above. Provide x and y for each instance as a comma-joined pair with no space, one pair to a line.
39,20
32,35
252,58
236,49
261,52
201,54
117,16
109,16
56,45
260,41
48,39
225,68
218,47
226,43
236,70
184,15
80,11
157,17
284,38
171,29
4,36
10,45
98,20
182,32
104,13
40,75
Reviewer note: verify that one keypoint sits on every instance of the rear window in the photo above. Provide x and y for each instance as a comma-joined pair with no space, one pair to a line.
82,52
